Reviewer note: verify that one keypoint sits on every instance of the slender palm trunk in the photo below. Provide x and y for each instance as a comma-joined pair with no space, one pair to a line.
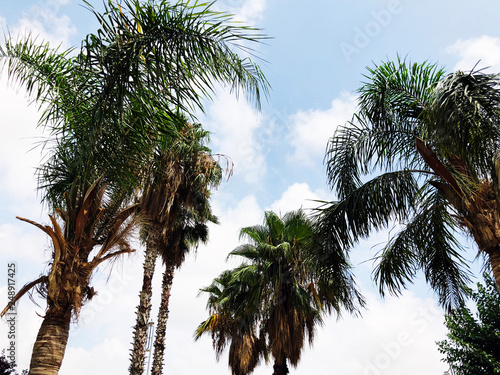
159,345
50,344
143,310
280,367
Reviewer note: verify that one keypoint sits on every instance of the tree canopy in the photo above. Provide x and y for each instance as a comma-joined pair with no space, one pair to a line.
272,303
420,154
472,346
107,107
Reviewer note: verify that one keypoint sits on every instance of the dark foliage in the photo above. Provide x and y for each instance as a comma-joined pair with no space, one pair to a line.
473,343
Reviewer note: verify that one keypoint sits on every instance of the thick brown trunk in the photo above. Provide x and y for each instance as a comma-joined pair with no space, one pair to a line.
494,256
50,344
159,345
143,311
280,367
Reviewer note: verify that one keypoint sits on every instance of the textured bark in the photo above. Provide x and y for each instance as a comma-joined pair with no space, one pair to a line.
485,230
50,344
159,345
138,354
495,265
481,216
280,367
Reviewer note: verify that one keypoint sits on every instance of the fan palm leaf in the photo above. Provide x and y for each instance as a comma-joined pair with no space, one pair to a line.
279,293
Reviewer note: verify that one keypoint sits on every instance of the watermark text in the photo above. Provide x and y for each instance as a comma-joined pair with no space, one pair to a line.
11,314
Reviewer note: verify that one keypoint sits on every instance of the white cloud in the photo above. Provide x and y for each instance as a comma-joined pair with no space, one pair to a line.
248,11
244,214
390,338
44,22
46,27
18,158
298,195
310,130
483,51
234,125
3,24
111,356
23,242
251,11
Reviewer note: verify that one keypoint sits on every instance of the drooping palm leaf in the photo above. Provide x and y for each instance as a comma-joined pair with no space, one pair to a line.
428,144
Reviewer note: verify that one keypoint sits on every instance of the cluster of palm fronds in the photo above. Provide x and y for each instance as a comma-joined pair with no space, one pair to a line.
429,143
121,149
273,302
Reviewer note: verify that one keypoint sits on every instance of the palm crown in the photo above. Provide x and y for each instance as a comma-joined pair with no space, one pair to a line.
429,142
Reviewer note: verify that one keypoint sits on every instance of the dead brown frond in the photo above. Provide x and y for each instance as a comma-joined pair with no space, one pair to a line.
244,353
67,283
25,289
229,165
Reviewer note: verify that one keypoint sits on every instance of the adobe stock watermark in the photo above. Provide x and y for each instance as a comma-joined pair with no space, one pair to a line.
11,315
363,36
390,351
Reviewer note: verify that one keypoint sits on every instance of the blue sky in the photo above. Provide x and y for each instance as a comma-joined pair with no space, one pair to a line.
314,61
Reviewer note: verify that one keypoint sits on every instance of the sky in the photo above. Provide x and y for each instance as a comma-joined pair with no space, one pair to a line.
315,59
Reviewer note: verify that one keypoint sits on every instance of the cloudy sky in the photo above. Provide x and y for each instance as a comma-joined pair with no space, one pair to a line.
315,60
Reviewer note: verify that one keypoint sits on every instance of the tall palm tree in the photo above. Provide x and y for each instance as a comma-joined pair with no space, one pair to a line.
430,144
106,108
274,301
175,202
93,208
188,232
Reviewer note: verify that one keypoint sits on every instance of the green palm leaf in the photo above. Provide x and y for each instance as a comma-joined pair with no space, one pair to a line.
428,144
281,290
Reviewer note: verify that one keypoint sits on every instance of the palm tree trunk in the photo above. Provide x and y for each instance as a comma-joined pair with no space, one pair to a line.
143,310
280,367
50,344
494,257
159,345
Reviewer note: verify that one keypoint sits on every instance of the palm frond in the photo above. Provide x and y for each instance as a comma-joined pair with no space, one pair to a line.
466,122
179,49
426,243
374,205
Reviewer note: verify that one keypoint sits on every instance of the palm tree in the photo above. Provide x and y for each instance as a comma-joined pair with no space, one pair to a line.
175,203
92,222
94,210
430,143
234,317
274,301
187,234
106,108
